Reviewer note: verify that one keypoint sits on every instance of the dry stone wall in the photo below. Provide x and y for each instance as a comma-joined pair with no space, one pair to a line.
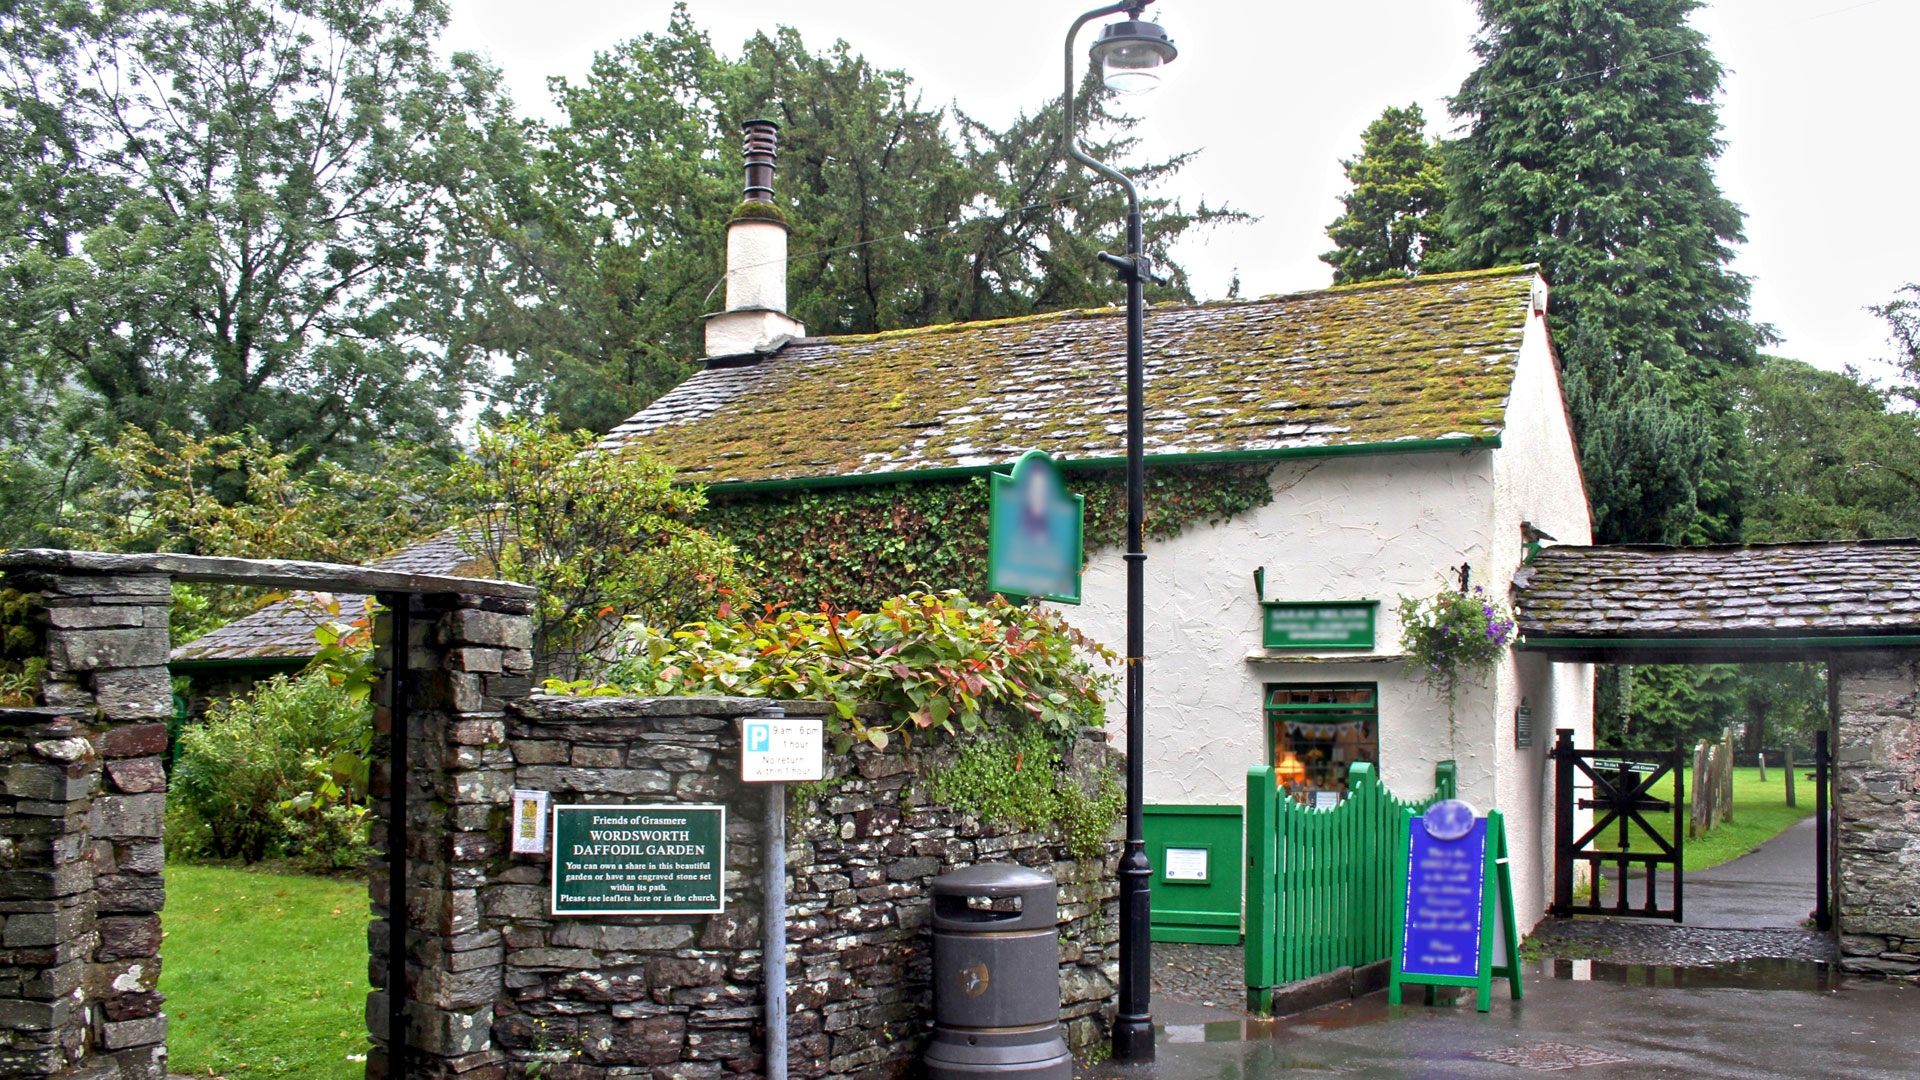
1877,786
680,996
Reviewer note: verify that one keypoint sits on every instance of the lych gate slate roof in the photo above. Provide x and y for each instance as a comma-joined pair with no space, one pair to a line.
284,629
1428,358
1764,590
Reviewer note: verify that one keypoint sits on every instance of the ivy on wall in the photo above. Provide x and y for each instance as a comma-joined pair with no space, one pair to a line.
854,547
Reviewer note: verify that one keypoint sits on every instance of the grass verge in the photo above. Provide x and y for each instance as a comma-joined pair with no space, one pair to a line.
265,974
1760,812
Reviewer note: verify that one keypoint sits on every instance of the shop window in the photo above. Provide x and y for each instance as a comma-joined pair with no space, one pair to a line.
1316,733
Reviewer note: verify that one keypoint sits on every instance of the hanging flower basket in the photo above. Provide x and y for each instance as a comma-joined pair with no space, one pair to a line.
1451,635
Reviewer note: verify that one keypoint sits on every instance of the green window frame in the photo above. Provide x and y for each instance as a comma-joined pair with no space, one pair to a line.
1326,728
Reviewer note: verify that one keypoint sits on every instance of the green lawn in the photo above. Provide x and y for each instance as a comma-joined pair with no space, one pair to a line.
265,974
1760,812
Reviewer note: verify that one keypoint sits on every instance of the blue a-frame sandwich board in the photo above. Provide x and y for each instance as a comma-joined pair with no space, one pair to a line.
1496,925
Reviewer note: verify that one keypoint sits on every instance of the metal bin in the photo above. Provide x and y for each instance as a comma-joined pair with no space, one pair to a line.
996,976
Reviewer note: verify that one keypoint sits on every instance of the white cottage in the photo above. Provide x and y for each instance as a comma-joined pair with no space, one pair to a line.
1410,428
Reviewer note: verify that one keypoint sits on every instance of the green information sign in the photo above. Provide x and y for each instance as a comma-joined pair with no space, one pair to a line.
667,859
1033,532
1335,624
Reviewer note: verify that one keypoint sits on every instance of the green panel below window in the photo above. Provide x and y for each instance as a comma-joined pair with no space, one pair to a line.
1197,854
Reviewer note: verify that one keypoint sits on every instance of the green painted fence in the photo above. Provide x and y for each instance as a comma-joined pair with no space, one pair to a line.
1320,881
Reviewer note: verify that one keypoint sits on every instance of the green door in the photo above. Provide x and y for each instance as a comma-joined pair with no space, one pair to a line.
1196,854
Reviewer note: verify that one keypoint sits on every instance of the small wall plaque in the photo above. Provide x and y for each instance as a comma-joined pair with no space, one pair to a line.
529,822
1523,725
1185,864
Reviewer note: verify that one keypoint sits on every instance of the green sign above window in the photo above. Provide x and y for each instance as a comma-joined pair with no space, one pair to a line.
1334,624
665,859
1033,532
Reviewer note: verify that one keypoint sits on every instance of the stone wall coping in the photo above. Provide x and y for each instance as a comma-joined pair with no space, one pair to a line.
551,707
10,716
270,573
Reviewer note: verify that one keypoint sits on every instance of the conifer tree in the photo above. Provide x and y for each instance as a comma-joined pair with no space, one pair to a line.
1641,453
1392,224
1592,132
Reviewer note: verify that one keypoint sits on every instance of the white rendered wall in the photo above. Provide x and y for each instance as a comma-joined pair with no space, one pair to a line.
1369,527
1536,479
1349,528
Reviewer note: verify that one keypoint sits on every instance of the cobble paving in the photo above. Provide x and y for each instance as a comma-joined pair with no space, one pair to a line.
1667,945
1213,976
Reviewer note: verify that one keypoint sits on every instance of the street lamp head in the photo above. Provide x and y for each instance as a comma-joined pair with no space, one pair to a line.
1130,54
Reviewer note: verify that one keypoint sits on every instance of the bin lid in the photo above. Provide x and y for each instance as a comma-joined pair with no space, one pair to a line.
1035,889
993,879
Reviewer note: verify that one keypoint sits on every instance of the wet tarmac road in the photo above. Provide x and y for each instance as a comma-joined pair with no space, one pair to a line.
1754,1020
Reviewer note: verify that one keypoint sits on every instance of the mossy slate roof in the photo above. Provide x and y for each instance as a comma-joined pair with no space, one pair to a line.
1762,590
283,630
1429,358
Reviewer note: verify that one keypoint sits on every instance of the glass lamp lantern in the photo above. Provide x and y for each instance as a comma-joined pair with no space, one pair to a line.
1130,54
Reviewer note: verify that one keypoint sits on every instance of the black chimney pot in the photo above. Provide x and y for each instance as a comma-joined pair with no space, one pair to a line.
762,146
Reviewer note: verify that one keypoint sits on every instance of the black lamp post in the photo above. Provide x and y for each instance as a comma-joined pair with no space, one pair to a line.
1130,54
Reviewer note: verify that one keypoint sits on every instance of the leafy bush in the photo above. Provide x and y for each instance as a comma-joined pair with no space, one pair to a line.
600,534
1017,778
936,662
280,771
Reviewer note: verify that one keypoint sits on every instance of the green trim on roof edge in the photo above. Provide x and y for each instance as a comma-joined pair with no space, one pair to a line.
1462,444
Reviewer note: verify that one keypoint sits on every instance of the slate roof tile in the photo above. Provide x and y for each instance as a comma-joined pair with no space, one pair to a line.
1860,587
1428,358
284,628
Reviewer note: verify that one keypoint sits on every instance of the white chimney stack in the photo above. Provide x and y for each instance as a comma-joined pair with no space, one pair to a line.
755,320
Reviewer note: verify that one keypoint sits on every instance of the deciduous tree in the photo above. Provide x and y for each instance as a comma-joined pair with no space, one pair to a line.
224,215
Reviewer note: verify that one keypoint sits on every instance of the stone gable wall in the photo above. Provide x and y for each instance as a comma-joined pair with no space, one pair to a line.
1877,786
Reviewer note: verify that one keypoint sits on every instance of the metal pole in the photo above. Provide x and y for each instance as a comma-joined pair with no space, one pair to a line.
1133,1027
1822,911
399,691
773,934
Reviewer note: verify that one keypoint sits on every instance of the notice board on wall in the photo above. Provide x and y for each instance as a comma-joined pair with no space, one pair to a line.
661,859
1453,916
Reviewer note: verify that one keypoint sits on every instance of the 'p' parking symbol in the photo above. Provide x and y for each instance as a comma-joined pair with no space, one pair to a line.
759,738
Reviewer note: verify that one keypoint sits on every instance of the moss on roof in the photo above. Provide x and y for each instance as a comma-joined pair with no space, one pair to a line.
1427,358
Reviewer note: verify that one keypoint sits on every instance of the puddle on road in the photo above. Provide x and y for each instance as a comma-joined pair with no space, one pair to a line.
1733,975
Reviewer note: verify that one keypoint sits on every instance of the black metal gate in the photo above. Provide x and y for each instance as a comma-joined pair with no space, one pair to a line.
1622,785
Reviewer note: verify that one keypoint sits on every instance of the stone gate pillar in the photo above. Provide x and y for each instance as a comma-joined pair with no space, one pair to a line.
80,832
467,656
1877,784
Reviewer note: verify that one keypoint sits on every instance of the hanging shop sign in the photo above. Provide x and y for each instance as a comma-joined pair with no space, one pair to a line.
1034,532
664,859
1454,921
1332,624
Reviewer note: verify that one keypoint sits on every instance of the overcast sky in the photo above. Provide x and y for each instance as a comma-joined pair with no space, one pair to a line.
1817,116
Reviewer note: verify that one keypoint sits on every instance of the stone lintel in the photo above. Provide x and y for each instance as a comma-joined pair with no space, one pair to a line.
269,573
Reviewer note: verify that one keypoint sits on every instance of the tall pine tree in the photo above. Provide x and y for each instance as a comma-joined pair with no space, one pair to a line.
1592,129
1392,224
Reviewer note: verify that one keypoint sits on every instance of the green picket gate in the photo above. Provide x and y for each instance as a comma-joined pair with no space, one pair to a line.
1320,880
